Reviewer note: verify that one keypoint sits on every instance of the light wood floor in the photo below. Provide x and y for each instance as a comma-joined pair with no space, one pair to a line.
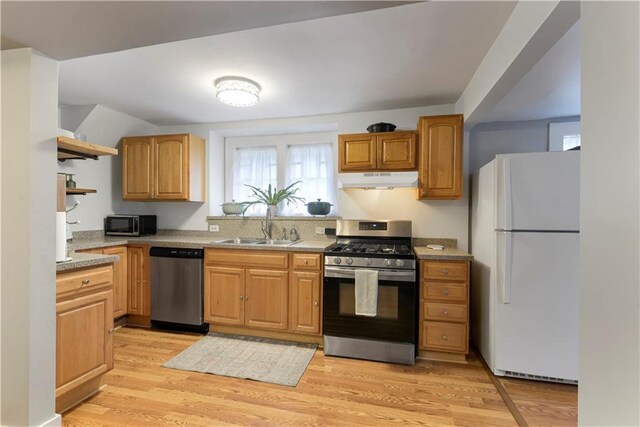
332,392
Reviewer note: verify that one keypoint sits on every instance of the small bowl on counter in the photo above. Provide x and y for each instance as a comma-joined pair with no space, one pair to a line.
233,208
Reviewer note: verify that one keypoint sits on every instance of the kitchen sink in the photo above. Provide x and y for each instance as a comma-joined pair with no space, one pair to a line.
277,242
240,241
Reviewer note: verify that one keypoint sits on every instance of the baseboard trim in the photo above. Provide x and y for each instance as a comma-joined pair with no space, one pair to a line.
285,335
56,421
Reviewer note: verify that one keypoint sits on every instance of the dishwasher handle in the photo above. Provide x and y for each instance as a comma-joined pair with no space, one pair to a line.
176,253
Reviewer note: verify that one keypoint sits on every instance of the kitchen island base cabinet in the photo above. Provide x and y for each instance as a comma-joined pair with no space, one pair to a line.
84,333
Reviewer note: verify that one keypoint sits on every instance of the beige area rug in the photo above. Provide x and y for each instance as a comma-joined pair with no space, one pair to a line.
260,359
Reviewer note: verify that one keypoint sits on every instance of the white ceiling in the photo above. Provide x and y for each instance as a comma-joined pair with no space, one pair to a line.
550,89
406,56
73,29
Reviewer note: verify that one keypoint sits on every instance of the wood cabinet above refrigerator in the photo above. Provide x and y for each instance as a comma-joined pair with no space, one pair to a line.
163,168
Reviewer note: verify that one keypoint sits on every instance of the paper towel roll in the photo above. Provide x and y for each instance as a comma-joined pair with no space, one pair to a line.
61,236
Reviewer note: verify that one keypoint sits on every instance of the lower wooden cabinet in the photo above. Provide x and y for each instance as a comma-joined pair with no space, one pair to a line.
305,301
246,289
84,333
139,294
444,306
120,277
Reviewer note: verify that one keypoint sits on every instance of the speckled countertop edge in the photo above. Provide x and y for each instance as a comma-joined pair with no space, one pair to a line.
448,254
80,260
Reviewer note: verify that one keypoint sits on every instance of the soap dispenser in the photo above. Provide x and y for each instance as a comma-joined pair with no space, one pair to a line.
293,234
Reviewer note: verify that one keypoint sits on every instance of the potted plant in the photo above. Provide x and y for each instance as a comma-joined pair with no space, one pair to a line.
272,197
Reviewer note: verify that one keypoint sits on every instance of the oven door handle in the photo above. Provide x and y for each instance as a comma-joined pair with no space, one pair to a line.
350,273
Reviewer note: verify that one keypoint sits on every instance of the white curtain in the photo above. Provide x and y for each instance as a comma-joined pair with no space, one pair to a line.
312,164
256,166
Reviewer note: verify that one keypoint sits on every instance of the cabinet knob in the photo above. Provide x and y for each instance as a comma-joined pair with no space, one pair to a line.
138,281
445,312
315,303
85,282
241,297
110,331
445,292
445,271
306,261
246,298
444,337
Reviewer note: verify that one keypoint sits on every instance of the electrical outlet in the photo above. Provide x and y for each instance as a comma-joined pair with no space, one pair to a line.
214,228
319,230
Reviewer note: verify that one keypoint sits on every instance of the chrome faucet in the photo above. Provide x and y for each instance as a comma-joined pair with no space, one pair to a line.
267,225
284,234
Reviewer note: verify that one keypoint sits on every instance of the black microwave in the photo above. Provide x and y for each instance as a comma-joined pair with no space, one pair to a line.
130,225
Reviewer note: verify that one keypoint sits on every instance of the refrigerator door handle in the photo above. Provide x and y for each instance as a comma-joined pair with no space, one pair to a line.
504,270
508,209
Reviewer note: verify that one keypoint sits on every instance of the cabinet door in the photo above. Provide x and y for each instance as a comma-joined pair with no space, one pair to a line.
305,302
171,161
440,175
138,298
397,151
120,273
266,297
356,153
137,168
84,340
224,295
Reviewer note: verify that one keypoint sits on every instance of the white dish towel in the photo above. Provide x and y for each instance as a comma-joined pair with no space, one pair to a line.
366,290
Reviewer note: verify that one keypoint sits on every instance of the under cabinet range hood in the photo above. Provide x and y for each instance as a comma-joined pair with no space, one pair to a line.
378,180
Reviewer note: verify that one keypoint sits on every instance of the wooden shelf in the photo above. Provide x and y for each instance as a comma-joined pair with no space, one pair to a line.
69,148
80,191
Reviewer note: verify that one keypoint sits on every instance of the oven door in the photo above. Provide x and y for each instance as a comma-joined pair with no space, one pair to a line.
121,225
396,312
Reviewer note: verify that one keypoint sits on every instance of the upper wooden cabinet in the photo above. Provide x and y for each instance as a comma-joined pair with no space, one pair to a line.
440,169
163,167
385,151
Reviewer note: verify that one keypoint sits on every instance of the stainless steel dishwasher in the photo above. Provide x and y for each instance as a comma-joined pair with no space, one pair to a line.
176,289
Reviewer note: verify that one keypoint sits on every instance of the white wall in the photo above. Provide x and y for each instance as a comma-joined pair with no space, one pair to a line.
430,218
489,139
29,123
609,392
102,126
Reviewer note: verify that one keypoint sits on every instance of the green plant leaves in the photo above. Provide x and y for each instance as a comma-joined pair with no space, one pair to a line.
273,196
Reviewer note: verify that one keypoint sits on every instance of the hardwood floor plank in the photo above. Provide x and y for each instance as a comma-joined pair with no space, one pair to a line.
333,391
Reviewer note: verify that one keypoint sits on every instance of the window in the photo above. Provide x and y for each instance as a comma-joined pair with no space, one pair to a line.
564,136
280,161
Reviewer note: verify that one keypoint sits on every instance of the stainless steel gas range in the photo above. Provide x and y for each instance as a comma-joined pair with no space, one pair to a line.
390,335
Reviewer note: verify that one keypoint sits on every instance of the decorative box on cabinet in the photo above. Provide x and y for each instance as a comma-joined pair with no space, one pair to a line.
384,151
163,168
84,333
444,309
440,159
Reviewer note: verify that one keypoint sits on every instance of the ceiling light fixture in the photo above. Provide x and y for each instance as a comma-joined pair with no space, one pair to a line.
237,91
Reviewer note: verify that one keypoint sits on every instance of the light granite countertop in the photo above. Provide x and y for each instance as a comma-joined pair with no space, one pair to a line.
192,242
447,254
80,260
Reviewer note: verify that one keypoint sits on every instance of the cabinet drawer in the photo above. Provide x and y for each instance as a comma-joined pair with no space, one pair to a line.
445,291
444,312
75,281
442,336
248,258
447,270
306,261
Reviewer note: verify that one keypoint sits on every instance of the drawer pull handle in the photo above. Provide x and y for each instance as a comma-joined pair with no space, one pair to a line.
85,282
315,303
444,337
306,261
445,312
445,292
445,271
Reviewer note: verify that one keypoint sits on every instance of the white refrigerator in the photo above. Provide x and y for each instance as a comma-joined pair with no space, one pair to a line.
525,242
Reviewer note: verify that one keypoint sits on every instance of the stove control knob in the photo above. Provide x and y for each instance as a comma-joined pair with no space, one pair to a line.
337,260
399,263
349,261
367,261
388,262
